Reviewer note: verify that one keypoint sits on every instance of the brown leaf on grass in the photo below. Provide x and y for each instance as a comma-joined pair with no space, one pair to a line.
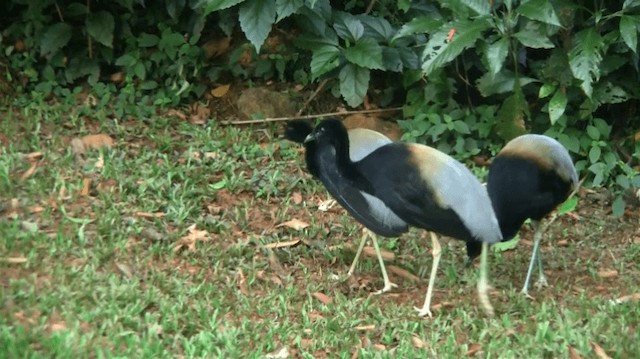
403,273
294,224
14,260
473,348
573,353
366,327
97,141
635,297
124,269
600,353
282,244
189,241
296,197
283,353
28,173
177,113
34,156
36,209
242,283
608,273
199,114
371,252
57,326
418,343
220,90
77,147
85,187
379,347
99,162
149,215
325,299
315,316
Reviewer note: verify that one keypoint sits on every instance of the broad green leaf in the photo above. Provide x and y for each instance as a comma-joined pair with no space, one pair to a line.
354,83
593,132
54,39
311,42
461,127
585,58
377,28
546,90
450,41
404,5
540,10
422,24
610,93
391,60
533,40
617,207
628,4
215,5
495,55
324,59
256,19
174,7
148,40
100,26
507,245
511,116
594,154
623,181
568,206
365,53
557,105
481,7
126,60
284,8
502,82
348,27
629,31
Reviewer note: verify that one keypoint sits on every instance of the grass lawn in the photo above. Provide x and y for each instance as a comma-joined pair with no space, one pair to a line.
207,241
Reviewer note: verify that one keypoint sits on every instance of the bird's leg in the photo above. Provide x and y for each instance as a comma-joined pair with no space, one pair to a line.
387,283
542,279
365,234
483,282
536,244
436,252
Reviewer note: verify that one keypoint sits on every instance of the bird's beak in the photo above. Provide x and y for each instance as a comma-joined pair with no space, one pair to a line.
310,137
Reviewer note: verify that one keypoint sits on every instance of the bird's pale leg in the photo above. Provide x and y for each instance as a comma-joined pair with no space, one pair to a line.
365,234
387,283
436,252
537,236
542,279
483,282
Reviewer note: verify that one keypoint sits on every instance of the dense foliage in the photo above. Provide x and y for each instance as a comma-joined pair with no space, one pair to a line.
471,73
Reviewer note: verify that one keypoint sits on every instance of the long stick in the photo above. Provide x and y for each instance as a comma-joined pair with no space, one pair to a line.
306,117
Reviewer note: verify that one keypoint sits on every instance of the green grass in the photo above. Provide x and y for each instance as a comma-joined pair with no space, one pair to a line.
101,280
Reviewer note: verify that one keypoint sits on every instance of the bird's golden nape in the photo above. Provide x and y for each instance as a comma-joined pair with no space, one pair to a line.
396,185
528,179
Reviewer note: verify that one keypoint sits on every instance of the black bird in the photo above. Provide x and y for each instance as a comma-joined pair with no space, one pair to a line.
362,142
400,185
529,178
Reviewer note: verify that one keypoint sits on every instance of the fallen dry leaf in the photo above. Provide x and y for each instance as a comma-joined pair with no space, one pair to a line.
28,173
99,162
97,141
282,244
322,298
635,297
124,269
149,215
283,353
221,90
242,283
371,252
85,188
608,273
34,156
403,273
57,326
296,197
36,209
599,351
473,348
14,260
367,327
418,343
199,114
379,347
573,353
314,316
77,147
294,224
189,241
326,205
177,113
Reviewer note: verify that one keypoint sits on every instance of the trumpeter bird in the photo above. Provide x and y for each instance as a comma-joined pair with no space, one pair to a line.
399,185
362,141
529,178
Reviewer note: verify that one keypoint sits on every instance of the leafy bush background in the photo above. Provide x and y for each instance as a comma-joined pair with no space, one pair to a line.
470,74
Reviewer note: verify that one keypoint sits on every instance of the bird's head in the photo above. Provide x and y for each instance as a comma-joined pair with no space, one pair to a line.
329,132
298,130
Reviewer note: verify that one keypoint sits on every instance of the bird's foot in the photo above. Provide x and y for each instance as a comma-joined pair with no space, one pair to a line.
424,311
483,296
387,287
542,282
526,294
